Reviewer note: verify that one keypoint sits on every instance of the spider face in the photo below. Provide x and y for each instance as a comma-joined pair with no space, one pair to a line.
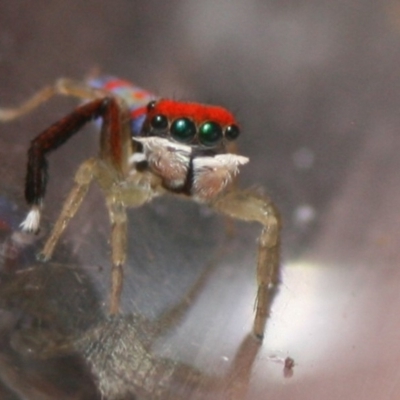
186,145
202,126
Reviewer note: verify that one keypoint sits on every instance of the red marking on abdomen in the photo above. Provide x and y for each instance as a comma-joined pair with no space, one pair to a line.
115,84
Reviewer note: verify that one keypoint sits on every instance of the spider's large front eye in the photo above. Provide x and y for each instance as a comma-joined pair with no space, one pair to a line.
210,133
183,130
159,122
232,132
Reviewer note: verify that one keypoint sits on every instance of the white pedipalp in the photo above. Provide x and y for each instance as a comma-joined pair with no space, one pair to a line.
213,174
32,221
167,159
136,158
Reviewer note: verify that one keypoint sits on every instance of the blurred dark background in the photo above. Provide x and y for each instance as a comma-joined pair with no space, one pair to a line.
316,88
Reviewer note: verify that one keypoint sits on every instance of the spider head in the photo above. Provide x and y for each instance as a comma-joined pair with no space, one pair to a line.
186,144
196,125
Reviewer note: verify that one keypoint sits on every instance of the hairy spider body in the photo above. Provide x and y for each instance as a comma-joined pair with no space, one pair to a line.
148,147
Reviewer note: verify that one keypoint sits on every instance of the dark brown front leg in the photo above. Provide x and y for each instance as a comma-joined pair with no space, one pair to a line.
56,135
52,138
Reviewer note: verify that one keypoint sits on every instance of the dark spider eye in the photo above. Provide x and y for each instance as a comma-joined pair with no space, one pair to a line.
210,133
151,105
159,122
232,132
183,129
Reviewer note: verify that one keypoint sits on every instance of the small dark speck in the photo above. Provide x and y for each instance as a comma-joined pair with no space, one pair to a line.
288,367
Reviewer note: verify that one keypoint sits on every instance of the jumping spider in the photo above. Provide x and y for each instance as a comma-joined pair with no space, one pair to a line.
148,147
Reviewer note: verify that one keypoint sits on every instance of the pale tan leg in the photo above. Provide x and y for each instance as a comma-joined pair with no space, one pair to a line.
118,219
83,178
249,206
65,87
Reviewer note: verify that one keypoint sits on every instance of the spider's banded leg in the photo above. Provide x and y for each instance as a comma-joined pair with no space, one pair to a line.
118,219
65,87
83,178
248,206
49,140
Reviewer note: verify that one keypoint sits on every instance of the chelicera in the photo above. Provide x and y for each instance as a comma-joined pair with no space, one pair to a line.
149,147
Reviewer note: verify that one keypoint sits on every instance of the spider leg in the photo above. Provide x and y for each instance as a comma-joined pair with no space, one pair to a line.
83,178
249,206
63,86
118,218
109,170
52,138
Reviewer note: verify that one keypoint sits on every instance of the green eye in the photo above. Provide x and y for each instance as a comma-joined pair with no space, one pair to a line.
210,133
232,132
183,130
159,122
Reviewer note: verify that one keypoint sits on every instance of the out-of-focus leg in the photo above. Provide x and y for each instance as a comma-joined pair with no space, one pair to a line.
62,86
